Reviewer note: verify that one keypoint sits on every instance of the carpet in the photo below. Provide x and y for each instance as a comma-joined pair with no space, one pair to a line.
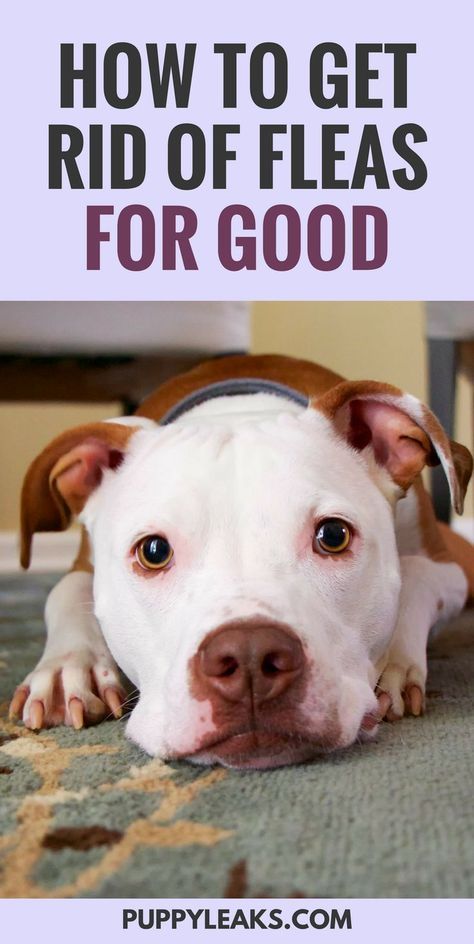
88,814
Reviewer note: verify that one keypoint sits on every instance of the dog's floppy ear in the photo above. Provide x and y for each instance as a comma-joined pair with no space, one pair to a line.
60,480
403,433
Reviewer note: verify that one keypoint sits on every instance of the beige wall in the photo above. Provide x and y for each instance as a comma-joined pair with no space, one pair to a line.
379,340
360,340
24,430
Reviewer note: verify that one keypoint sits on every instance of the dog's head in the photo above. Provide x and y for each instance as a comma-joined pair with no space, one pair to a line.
246,569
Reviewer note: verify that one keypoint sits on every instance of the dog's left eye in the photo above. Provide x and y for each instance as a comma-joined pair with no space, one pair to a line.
154,552
332,536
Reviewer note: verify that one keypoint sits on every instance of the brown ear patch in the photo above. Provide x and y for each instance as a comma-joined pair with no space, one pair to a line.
61,478
404,434
398,444
80,471
462,469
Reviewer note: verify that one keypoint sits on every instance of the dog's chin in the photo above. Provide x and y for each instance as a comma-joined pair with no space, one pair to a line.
258,750
263,749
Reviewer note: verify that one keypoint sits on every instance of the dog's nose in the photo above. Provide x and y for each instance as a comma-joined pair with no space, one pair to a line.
254,662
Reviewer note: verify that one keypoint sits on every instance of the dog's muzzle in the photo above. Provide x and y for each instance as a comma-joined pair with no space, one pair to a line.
248,664
254,675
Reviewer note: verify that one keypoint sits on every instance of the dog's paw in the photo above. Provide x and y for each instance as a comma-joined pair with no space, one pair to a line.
76,689
401,691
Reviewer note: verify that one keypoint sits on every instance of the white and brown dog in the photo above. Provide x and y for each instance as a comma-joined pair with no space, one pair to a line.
260,558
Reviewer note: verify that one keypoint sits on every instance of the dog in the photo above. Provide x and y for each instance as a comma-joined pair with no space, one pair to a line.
259,557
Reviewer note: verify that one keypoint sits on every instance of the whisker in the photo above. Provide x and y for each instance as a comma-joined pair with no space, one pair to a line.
128,702
125,704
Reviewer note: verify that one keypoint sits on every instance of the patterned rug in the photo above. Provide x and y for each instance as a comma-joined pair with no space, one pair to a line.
88,814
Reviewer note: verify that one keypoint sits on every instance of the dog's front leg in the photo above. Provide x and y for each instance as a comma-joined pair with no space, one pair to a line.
431,591
76,680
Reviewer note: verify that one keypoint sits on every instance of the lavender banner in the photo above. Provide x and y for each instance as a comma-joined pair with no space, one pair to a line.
360,921
255,150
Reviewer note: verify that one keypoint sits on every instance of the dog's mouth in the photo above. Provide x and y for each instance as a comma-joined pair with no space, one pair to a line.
254,750
260,748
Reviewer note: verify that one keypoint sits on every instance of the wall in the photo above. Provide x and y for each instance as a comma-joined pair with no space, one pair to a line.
360,340
383,341
24,430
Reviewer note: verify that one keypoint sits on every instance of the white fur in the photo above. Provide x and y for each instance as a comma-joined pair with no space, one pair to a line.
432,592
237,494
236,486
75,647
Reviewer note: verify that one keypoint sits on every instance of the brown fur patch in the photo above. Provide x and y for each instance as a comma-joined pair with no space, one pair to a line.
309,379
435,445
439,541
338,396
431,535
42,507
6,770
461,552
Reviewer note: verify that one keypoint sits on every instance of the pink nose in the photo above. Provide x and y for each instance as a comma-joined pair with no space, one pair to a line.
249,662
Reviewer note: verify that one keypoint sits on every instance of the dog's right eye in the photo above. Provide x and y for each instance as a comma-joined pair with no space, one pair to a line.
332,536
154,552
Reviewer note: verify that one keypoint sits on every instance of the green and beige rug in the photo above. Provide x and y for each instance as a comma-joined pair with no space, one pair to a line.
88,814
